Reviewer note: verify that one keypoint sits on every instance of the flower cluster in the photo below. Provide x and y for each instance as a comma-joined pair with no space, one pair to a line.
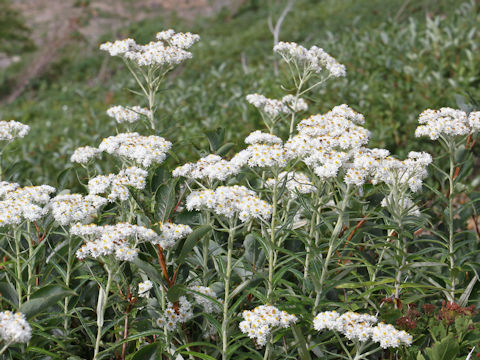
116,184
171,316
229,201
361,327
444,122
84,154
23,203
208,305
118,240
14,328
211,167
70,208
145,150
261,321
169,50
144,288
266,150
274,108
377,164
314,59
170,233
127,115
12,129
294,182
258,137
339,129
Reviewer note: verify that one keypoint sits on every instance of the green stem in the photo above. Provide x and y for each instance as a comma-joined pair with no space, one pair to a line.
30,262
5,347
313,224
332,243
292,120
206,245
271,252
67,280
228,272
17,236
451,240
268,349
101,307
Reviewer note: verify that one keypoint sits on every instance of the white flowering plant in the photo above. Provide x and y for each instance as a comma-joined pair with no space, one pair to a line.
288,249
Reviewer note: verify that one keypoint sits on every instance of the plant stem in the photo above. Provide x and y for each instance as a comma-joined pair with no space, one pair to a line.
268,349
402,250
101,307
292,120
5,347
67,280
30,262
17,236
451,240
331,244
206,245
228,272
151,101
313,223
271,253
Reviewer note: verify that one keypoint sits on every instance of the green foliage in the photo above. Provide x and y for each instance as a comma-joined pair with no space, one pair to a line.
14,34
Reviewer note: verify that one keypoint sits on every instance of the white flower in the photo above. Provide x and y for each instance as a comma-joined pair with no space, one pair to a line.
444,122
261,155
118,241
84,154
261,321
12,129
75,207
258,137
230,200
361,327
170,318
168,51
211,167
27,203
144,288
313,60
119,47
127,115
295,182
208,305
327,137
389,337
144,150
474,120
117,183
170,233
270,107
14,328
295,106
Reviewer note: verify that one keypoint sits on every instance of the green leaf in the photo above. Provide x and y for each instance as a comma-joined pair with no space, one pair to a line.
302,348
149,352
215,138
224,149
191,240
63,176
150,270
8,293
198,355
446,349
165,200
175,292
43,299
